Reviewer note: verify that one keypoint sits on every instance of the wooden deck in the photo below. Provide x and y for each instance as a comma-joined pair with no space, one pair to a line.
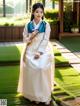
67,34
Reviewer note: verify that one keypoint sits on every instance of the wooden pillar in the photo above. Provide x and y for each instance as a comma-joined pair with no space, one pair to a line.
61,16
74,10
74,6
77,13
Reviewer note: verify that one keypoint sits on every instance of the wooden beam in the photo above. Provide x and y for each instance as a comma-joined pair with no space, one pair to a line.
61,16
77,13
68,34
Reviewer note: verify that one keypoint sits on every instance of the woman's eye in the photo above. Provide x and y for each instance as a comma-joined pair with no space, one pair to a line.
39,12
36,11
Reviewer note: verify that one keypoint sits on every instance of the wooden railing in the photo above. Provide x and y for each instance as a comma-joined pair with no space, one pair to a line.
14,33
11,33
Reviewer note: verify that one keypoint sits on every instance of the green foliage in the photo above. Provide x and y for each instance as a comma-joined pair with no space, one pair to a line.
15,21
6,24
55,0
67,21
68,17
53,22
51,14
12,24
75,26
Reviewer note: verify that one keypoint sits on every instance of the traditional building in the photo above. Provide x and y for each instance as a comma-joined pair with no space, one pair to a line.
69,18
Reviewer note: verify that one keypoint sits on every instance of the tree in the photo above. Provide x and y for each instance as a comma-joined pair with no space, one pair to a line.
4,14
53,3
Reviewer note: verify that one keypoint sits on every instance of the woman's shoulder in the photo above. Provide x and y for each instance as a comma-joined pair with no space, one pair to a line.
29,22
47,23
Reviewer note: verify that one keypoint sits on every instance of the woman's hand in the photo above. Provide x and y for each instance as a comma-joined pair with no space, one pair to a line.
28,41
35,32
37,55
41,53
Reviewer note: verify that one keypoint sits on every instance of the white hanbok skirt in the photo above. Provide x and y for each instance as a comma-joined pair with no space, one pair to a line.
36,77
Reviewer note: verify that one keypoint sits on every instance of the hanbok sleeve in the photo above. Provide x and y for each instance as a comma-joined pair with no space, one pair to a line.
45,39
25,34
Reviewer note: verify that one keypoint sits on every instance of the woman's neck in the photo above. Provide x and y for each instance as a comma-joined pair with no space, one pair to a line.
36,21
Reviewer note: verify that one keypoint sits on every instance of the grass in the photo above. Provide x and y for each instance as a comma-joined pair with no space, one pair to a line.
61,61
72,43
9,76
13,100
56,52
13,53
10,53
69,79
8,79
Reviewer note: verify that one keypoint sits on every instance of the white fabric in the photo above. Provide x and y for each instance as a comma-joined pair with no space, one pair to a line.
36,26
36,75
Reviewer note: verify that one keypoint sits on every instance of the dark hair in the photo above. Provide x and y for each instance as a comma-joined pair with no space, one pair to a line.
35,6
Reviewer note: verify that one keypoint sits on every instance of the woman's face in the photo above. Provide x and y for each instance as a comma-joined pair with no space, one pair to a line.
38,14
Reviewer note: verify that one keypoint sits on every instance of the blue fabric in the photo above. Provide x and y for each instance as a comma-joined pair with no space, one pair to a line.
41,28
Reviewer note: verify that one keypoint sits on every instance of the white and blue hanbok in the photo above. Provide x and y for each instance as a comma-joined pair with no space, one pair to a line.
36,77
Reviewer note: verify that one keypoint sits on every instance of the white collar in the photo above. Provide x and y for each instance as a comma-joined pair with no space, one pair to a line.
36,26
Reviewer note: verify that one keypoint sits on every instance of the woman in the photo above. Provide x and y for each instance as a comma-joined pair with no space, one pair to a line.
37,60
